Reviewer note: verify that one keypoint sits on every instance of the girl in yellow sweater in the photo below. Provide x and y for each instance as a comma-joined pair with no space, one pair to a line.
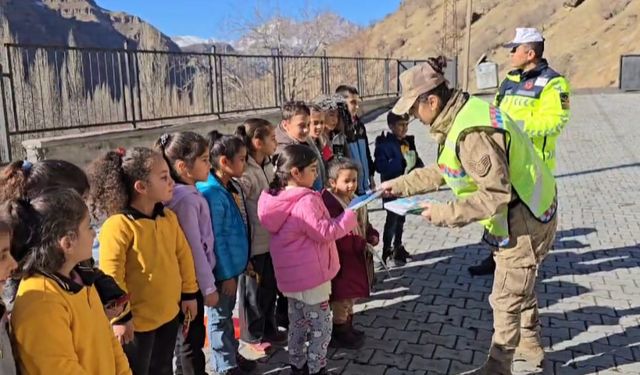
143,247
58,322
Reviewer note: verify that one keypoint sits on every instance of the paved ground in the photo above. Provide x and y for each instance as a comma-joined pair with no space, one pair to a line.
433,318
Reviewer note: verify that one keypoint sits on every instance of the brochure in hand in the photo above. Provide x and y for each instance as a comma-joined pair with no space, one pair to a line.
365,199
409,205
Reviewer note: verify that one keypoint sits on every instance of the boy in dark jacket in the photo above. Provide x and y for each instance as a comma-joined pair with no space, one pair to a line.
357,139
355,277
395,155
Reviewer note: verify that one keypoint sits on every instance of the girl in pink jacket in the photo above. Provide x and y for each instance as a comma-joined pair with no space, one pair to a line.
303,249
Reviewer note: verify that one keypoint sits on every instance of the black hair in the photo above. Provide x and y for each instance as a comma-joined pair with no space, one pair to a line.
293,156
338,164
292,108
114,175
254,128
345,90
393,119
38,227
23,179
223,145
185,146
442,91
537,48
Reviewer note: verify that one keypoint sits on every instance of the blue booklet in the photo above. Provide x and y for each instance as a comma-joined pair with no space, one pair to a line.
364,199
409,205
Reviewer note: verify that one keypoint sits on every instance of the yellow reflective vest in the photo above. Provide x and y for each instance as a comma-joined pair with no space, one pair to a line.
538,101
531,180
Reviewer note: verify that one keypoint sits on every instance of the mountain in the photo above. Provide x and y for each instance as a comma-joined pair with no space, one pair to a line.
584,39
290,36
50,22
190,43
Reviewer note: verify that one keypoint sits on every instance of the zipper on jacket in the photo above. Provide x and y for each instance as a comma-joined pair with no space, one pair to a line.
544,145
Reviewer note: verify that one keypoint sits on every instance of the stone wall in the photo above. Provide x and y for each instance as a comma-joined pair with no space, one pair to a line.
82,148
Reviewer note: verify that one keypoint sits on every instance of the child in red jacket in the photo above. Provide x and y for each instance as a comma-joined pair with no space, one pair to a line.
355,277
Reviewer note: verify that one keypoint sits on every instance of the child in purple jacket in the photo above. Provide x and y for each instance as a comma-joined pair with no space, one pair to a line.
187,154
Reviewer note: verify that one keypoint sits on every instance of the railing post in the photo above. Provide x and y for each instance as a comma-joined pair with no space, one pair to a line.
220,83
277,97
385,86
327,72
12,87
359,75
211,92
5,144
398,77
137,67
324,78
132,101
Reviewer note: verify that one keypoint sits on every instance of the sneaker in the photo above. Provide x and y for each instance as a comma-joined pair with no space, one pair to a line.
400,255
300,371
261,347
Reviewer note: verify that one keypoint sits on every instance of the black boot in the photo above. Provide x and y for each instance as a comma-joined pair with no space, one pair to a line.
353,329
486,267
245,365
343,337
400,255
386,254
322,371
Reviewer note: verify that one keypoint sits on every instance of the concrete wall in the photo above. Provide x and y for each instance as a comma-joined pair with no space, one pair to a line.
80,149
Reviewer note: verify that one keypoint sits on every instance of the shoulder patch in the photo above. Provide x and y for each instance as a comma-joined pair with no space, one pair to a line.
482,166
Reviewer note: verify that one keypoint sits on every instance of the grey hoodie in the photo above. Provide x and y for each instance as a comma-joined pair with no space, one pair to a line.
255,179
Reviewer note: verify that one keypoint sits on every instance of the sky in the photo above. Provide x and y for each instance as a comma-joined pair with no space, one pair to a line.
219,19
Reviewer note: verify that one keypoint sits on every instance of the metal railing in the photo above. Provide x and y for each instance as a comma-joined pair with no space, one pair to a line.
58,90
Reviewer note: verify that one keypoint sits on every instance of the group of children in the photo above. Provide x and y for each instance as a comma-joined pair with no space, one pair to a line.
190,227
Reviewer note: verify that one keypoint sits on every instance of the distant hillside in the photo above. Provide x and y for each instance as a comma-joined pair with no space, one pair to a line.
584,38
51,21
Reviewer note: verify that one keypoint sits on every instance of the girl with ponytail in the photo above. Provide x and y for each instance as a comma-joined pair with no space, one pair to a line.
187,156
258,290
143,247
304,253
23,179
231,228
57,321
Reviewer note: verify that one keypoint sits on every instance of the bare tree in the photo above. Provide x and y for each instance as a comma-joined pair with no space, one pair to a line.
300,39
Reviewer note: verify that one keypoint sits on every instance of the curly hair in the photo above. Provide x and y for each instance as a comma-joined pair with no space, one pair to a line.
22,179
113,175
185,146
38,227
